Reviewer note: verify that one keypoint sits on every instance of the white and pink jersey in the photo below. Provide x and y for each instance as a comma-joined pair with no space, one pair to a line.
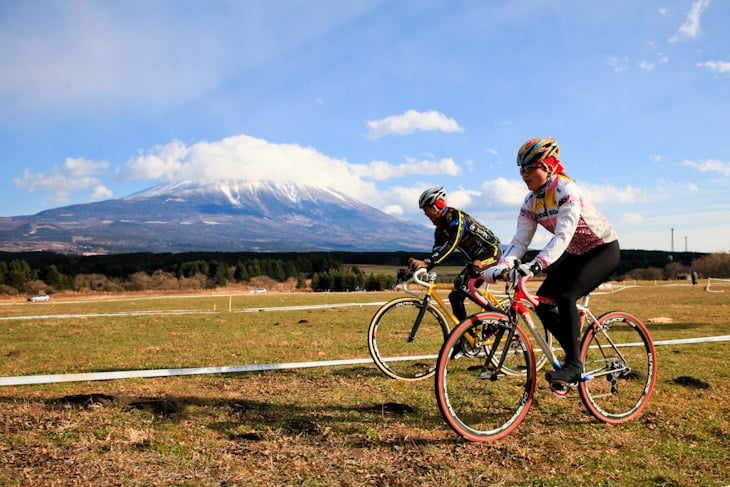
561,209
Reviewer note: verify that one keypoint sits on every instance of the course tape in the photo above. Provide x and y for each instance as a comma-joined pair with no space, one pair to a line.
134,374
187,312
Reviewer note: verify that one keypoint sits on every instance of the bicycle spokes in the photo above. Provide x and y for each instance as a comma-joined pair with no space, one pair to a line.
620,368
476,399
400,349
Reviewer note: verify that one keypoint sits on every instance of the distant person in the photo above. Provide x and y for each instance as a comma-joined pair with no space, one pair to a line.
582,253
456,230
694,277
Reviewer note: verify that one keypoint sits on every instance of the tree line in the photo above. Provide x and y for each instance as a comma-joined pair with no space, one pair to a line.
34,272
48,272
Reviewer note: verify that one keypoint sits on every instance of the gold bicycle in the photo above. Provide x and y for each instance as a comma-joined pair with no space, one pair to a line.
406,333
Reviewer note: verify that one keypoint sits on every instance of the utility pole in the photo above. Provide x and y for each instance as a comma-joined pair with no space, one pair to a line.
685,243
672,240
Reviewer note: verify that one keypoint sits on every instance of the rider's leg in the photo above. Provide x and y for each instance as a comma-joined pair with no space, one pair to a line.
548,314
459,294
457,305
573,277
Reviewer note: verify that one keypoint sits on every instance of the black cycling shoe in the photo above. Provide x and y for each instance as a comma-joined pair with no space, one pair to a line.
458,350
570,374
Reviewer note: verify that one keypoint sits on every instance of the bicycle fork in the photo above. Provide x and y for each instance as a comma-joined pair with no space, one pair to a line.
496,374
416,324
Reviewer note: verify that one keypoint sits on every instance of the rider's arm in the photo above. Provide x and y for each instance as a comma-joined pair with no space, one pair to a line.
414,263
526,228
447,239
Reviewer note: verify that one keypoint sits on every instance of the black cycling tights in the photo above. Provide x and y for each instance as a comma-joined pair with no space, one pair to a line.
570,278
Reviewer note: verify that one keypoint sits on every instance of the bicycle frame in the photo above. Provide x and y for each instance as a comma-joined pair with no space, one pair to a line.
483,298
429,292
518,307
586,316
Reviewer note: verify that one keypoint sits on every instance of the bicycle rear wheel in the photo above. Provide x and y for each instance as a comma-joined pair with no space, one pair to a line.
620,367
389,343
477,401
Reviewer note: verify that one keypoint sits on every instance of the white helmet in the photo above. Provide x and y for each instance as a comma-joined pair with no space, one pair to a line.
432,196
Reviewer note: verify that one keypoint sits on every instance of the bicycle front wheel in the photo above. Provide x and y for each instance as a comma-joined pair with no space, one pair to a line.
620,367
477,400
398,354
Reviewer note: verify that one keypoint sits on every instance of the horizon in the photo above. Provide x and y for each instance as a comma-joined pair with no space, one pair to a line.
378,100
153,191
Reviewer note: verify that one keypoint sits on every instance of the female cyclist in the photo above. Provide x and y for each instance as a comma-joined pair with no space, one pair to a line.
582,253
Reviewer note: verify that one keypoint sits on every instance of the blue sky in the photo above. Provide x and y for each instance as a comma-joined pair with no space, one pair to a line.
378,99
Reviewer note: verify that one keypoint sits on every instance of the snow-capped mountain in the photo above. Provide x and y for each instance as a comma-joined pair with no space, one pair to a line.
216,215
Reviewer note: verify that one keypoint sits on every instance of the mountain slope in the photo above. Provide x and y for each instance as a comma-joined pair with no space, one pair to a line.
216,215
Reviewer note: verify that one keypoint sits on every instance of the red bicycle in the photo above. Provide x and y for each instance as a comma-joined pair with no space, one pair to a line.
481,402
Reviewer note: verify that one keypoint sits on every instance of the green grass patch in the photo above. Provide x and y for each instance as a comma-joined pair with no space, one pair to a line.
330,426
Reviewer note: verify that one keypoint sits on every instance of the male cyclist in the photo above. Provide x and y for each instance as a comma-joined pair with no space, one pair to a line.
456,230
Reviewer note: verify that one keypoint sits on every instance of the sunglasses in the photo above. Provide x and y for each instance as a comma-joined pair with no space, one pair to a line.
530,167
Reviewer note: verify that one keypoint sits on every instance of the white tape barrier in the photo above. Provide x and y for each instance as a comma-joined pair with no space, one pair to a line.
186,312
135,374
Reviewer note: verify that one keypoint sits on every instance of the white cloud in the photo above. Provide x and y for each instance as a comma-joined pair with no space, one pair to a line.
72,175
690,29
710,166
248,158
632,218
412,121
502,192
402,201
647,65
101,192
618,64
609,193
91,55
462,198
381,170
162,162
717,67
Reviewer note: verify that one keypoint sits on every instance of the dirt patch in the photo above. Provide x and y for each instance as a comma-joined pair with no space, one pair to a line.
303,426
82,400
389,408
691,382
162,408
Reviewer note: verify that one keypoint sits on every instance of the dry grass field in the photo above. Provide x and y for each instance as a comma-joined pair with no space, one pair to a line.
328,426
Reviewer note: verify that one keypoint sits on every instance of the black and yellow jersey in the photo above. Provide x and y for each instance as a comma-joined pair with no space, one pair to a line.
457,230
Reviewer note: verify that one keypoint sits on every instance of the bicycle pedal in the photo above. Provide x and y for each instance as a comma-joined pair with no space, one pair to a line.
560,389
